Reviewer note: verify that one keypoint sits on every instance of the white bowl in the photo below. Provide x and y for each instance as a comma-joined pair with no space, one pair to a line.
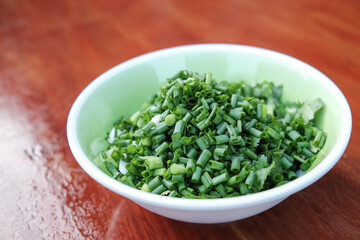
123,89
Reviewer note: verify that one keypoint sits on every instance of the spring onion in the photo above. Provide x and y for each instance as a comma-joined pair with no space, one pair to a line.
199,138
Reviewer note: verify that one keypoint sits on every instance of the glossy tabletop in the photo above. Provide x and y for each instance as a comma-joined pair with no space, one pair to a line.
51,50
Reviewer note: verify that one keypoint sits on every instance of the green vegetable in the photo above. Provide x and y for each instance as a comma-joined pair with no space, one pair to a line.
308,109
198,138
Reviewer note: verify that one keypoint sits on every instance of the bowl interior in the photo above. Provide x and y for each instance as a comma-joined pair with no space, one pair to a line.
123,89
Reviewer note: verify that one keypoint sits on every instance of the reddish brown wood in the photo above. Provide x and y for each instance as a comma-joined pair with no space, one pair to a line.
50,50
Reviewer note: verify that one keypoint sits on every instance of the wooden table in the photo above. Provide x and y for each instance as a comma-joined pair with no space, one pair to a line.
50,50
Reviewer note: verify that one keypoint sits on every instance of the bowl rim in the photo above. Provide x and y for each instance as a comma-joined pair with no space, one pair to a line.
273,194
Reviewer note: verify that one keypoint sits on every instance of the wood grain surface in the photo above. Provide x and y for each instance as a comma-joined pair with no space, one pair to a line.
50,50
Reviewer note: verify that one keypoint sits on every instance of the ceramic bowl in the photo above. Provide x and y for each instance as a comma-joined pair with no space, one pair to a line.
123,89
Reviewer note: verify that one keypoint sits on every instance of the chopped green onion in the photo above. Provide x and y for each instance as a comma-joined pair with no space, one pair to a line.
159,150
159,189
250,179
222,139
190,167
199,138
177,178
234,179
221,190
154,183
176,169
206,180
202,143
235,164
216,165
153,163
196,175
203,158
220,179
294,135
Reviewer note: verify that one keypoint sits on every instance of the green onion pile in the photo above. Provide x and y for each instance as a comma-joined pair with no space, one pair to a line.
199,138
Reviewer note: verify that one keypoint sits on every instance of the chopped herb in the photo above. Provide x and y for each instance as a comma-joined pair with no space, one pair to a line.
199,138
